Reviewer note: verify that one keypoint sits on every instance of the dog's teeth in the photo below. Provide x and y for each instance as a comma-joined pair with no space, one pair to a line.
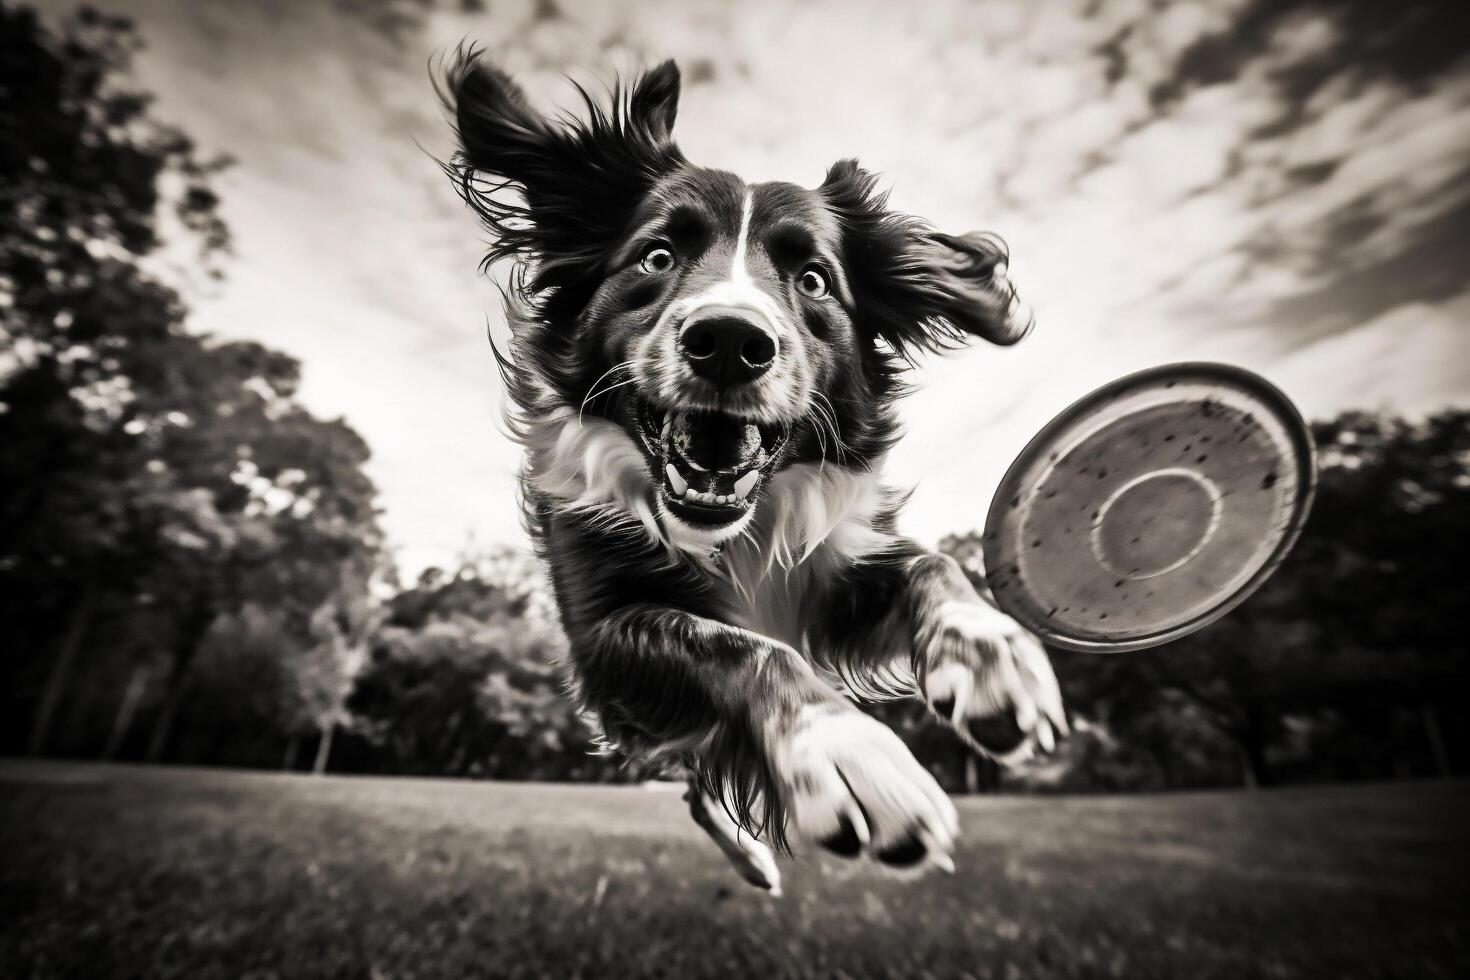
746,483
675,480
690,493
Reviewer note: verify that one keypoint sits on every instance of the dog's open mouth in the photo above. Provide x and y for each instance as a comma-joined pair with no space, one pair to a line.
712,465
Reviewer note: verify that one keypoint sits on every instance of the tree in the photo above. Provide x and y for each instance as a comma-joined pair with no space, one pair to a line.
465,678
140,464
81,164
286,519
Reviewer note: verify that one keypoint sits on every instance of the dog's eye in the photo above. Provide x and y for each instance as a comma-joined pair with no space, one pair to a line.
657,259
813,282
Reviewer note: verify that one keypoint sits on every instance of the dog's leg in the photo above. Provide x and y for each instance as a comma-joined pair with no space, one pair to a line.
978,669
760,730
752,859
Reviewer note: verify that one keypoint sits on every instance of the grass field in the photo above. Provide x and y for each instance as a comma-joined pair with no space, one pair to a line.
131,872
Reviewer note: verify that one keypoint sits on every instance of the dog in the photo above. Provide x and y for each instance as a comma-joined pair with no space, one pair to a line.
704,375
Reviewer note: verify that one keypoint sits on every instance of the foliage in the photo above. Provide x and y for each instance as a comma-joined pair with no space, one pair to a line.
143,465
465,678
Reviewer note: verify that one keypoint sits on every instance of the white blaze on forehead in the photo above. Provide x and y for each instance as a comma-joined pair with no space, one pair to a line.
738,290
738,271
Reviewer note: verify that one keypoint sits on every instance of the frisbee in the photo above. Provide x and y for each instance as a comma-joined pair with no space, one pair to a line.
1150,508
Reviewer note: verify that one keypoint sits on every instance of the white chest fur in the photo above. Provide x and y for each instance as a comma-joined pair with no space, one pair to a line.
812,522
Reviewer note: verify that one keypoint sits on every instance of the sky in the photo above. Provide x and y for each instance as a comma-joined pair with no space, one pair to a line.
1280,185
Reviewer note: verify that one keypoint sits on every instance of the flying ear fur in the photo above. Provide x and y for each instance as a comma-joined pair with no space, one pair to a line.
919,288
556,192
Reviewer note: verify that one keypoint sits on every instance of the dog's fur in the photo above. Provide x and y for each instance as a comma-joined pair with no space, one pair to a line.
718,630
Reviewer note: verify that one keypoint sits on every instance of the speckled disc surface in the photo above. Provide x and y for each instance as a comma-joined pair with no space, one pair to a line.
1150,508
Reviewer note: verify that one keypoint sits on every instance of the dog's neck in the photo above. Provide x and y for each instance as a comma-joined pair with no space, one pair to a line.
808,513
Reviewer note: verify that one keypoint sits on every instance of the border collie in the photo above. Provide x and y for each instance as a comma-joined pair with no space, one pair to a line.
704,375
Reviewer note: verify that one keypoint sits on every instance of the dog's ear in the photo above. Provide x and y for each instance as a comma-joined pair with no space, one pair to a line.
916,287
499,132
969,288
578,180
655,102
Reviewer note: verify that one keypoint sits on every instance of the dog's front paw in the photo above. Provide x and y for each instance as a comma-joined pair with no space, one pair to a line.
852,786
990,678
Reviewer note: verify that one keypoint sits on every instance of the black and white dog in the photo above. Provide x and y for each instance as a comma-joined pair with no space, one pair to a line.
705,374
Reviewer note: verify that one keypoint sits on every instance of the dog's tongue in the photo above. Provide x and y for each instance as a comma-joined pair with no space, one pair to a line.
716,441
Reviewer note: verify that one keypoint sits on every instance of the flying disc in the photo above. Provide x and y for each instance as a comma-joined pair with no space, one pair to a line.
1150,508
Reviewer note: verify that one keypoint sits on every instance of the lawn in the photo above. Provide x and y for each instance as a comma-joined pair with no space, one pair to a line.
134,872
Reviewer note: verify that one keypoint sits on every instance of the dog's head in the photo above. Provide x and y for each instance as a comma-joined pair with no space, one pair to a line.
731,329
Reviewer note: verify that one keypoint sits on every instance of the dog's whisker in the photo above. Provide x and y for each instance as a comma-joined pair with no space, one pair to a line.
602,391
844,449
817,431
592,392
593,387
829,413
822,420
620,366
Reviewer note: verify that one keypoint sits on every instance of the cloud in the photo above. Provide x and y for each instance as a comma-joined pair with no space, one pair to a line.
1414,359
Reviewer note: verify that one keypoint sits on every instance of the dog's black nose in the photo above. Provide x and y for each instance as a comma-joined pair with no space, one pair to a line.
727,349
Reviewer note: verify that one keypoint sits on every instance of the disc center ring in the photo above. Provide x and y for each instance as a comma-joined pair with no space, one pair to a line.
1156,522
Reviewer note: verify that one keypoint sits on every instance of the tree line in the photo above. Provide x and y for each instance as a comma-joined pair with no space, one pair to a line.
192,567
